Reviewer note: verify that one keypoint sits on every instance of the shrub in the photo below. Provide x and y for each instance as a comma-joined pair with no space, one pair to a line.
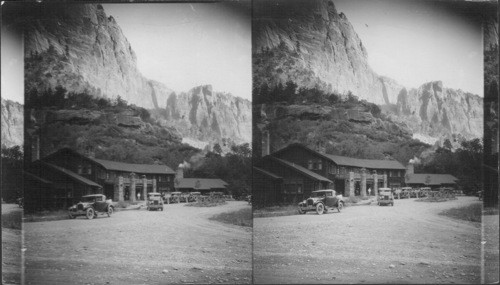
12,220
241,217
471,212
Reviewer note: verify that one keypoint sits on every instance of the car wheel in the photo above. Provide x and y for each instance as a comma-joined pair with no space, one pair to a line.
110,211
90,213
392,204
161,209
302,212
340,206
71,216
320,208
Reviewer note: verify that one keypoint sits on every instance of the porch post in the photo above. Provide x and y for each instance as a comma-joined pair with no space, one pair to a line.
144,187
363,182
154,185
351,184
375,183
385,180
119,188
132,187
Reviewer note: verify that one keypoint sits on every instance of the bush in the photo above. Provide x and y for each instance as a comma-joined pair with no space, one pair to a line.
209,201
12,220
241,217
470,213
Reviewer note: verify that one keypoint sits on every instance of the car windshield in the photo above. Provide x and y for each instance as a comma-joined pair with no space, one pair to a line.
91,198
321,194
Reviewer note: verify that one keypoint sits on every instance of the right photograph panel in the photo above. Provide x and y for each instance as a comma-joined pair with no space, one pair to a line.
368,141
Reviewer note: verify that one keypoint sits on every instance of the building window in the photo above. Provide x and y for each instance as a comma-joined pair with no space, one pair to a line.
79,169
390,173
320,165
310,164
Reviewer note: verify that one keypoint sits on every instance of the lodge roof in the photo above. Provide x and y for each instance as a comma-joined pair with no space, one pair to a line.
349,161
72,175
430,179
120,166
366,163
301,169
203,183
267,173
131,167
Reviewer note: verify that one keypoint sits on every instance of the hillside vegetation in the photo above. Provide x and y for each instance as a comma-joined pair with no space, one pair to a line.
112,129
342,125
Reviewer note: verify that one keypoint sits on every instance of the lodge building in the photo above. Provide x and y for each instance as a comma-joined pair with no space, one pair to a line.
58,179
292,173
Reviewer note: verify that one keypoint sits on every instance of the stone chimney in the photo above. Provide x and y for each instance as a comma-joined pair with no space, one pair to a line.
180,172
266,143
410,168
35,148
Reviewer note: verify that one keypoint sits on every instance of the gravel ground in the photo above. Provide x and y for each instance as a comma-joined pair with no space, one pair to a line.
490,249
178,245
11,250
407,243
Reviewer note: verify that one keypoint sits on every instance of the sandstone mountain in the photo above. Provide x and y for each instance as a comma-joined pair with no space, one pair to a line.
12,123
207,115
80,48
311,44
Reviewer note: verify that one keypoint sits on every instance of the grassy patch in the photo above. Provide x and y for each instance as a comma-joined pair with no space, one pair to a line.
241,217
490,211
471,212
434,199
276,211
44,216
12,220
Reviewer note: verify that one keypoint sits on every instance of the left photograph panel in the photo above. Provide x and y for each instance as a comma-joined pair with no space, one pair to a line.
134,154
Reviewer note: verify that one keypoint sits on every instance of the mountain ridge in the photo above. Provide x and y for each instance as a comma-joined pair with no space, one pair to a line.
82,49
314,46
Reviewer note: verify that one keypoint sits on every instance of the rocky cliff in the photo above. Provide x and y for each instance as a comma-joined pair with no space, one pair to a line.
321,49
12,123
80,48
439,111
311,44
209,116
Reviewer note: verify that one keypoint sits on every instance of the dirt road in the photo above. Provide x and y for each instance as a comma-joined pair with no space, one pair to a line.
11,250
179,245
407,243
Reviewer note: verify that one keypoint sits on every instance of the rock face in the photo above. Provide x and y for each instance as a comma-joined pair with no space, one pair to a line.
80,48
310,43
323,48
209,115
12,123
437,111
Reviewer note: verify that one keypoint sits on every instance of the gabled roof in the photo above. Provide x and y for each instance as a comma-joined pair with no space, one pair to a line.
366,163
35,177
348,161
267,173
72,175
301,169
201,183
430,179
120,166
136,168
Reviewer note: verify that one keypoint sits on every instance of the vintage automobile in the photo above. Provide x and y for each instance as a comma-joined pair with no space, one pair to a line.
321,201
194,196
175,197
90,206
154,201
385,197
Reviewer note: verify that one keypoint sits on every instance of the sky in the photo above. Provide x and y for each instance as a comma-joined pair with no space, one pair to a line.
415,42
186,45
12,73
